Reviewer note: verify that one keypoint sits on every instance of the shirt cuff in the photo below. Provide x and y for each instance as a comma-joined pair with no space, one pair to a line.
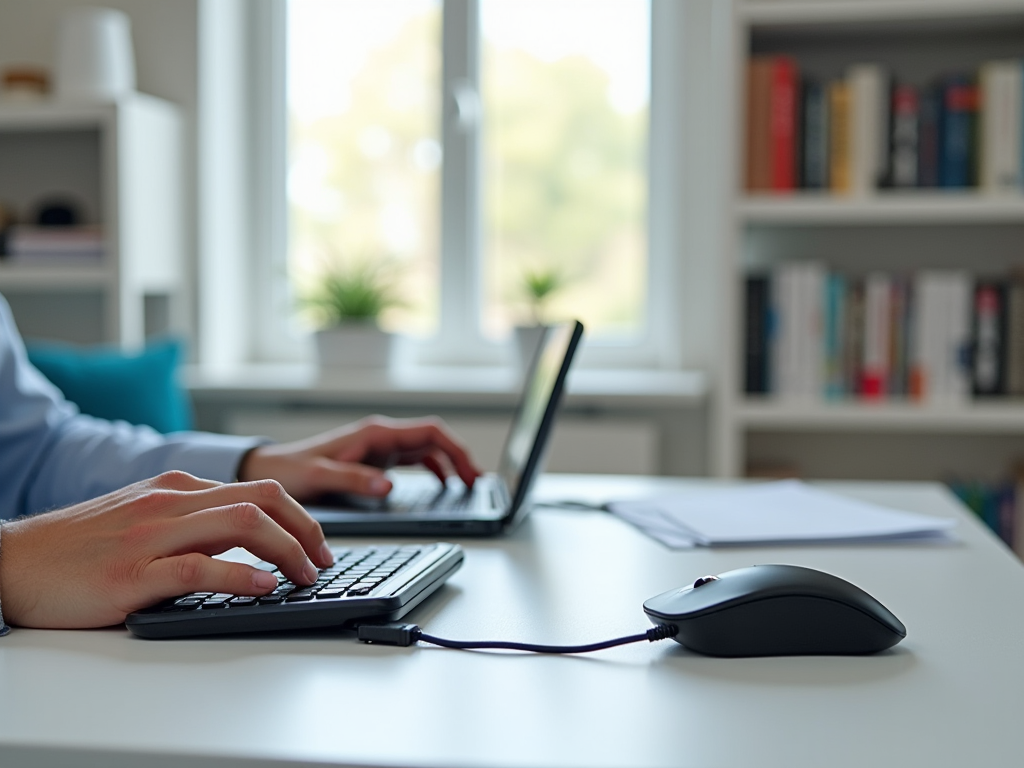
215,457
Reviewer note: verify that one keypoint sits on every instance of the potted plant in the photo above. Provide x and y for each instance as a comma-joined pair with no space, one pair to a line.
346,304
539,285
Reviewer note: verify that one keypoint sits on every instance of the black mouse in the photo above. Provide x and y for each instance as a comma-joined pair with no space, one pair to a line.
776,610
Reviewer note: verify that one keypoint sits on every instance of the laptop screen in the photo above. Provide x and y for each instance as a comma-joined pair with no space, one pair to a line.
522,458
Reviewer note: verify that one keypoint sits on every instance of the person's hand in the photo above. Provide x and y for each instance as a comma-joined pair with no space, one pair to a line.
353,459
91,564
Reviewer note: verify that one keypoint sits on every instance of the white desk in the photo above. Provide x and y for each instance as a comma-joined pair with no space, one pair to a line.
952,694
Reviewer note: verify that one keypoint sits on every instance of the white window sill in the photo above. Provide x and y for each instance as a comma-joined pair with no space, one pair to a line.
441,386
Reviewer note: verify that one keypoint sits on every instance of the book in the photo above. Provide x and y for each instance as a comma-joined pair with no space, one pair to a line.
757,335
853,354
929,155
758,126
899,334
869,122
903,146
783,132
796,362
988,344
55,245
840,138
834,333
1001,85
957,146
877,336
815,136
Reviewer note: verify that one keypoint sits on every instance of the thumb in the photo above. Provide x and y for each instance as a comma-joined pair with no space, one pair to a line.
347,477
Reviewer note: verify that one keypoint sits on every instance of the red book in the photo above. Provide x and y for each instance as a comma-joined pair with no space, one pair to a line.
784,123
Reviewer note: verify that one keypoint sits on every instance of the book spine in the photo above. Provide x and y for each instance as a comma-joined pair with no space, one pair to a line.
853,354
756,378
758,160
1000,84
956,321
877,336
959,106
929,140
815,136
869,98
835,336
926,347
812,336
783,124
989,338
904,144
899,333
840,158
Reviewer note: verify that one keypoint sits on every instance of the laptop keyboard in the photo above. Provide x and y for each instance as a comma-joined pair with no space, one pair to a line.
444,499
355,573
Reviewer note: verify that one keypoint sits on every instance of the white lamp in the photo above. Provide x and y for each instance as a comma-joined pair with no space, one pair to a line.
95,60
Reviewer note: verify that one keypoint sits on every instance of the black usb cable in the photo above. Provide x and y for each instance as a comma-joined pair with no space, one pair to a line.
404,635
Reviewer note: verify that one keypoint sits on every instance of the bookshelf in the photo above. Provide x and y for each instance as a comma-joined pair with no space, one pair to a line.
900,231
120,163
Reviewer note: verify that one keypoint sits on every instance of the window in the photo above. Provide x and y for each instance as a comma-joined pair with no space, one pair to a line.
468,144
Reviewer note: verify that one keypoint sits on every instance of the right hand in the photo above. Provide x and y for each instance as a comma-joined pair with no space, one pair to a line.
91,564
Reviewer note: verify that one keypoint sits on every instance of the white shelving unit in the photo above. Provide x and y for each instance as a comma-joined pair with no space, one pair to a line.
121,164
896,231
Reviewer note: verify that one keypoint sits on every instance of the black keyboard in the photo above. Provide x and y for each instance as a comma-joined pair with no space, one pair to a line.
370,582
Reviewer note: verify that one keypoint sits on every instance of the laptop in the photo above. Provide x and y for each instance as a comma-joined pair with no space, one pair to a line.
420,505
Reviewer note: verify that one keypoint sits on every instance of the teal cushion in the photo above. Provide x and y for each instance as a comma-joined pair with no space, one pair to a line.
140,388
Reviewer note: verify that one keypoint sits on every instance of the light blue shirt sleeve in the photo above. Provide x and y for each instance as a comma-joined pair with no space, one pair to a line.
51,455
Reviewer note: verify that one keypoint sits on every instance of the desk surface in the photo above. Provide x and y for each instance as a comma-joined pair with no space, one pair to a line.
950,695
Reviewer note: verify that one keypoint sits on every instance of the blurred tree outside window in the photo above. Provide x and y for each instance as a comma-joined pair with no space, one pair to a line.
565,91
364,150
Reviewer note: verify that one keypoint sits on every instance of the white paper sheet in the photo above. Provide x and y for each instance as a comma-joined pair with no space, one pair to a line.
788,511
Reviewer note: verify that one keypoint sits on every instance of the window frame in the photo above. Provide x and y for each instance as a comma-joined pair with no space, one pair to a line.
459,340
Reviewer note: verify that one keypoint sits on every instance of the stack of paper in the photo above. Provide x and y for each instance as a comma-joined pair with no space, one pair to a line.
785,512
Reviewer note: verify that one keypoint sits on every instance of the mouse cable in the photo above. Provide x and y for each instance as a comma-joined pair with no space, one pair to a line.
405,635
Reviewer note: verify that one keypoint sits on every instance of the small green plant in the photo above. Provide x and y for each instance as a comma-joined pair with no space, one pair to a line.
353,294
539,286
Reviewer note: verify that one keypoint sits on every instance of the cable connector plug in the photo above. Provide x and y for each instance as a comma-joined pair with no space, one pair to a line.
662,632
402,635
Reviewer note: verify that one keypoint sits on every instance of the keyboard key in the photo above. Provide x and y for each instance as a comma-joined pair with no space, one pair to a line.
299,597
271,600
243,601
329,594
210,606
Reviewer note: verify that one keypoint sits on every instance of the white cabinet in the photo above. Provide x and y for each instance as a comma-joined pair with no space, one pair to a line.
889,231
121,164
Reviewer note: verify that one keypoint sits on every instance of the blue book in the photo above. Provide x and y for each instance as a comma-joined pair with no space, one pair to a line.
835,325
959,105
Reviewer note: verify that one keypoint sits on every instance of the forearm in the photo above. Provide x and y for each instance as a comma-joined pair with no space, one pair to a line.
90,457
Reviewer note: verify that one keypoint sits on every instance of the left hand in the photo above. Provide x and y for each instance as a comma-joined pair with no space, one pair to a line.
352,459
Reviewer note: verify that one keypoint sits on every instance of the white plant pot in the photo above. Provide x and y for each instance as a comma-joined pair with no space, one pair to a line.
355,346
528,339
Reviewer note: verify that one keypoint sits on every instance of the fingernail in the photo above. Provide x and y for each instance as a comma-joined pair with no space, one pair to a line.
379,485
310,571
263,580
326,556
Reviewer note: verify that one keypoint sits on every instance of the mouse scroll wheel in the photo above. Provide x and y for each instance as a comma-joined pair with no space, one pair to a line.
704,580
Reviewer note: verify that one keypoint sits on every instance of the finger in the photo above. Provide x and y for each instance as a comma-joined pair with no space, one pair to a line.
218,529
345,477
436,465
176,480
381,438
271,497
194,572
